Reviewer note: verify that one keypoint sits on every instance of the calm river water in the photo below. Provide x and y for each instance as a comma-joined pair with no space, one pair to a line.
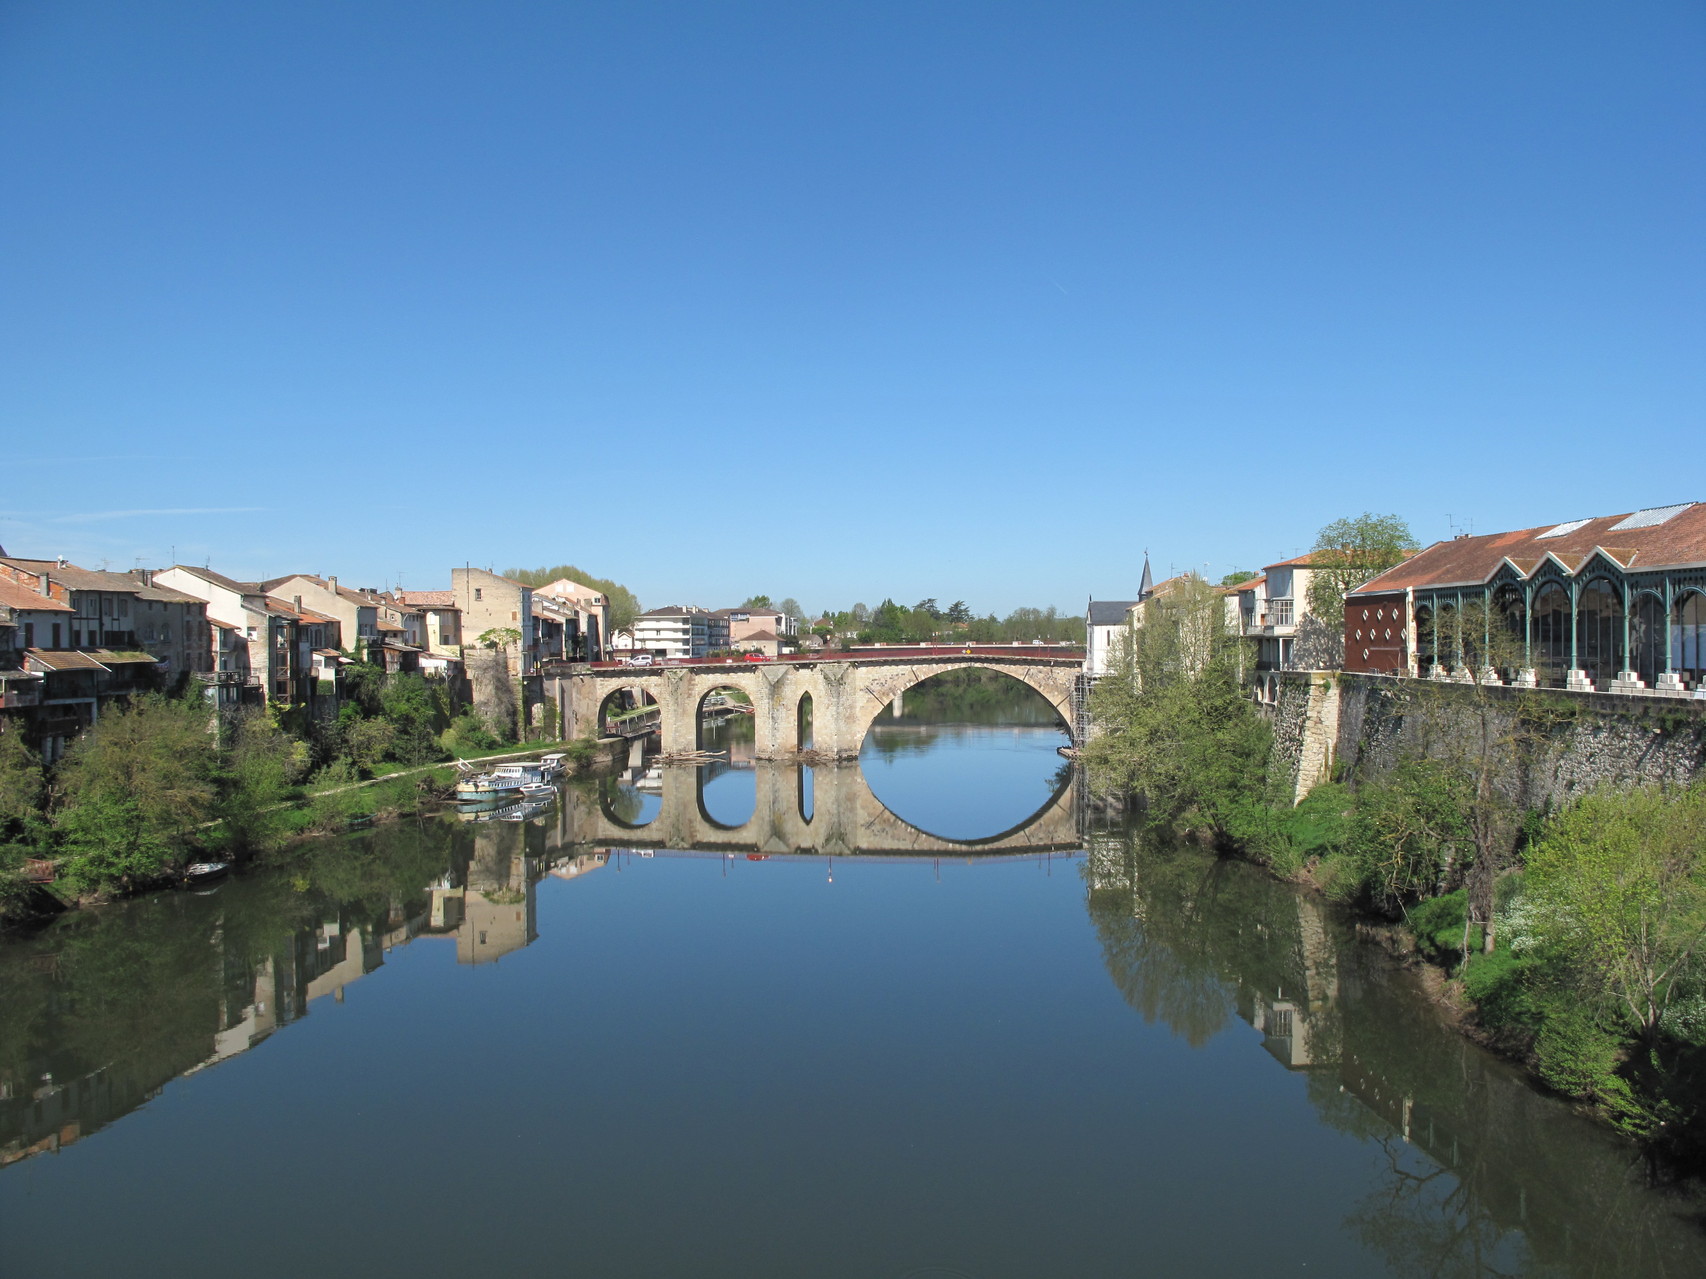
950,1026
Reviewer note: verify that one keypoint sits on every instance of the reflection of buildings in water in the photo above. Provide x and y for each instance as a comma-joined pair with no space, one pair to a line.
574,867
489,916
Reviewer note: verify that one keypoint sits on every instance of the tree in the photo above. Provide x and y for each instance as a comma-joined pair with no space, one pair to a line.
262,765
1348,552
1234,579
1618,883
790,607
756,601
1176,722
135,791
928,606
958,613
21,785
419,710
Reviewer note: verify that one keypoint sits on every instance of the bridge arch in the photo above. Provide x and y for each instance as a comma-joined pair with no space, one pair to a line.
875,696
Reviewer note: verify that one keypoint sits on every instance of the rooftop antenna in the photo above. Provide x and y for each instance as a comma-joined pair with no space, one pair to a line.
1451,523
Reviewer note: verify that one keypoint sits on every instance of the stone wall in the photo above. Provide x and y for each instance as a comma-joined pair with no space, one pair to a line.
1552,745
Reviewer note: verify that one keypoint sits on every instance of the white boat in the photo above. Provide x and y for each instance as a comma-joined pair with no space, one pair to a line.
554,766
538,790
483,788
202,872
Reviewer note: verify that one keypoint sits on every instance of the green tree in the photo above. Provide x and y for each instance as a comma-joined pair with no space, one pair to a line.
757,601
1350,551
22,826
262,766
1178,725
958,613
419,710
366,742
135,790
1235,579
21,785
1618,885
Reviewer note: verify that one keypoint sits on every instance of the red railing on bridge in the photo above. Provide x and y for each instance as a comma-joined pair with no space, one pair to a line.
876,652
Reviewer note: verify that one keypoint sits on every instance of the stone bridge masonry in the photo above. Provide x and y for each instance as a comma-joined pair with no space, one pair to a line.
846,695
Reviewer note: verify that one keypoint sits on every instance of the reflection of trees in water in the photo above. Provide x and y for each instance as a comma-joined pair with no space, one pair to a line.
623,803
106,1006
1479,1174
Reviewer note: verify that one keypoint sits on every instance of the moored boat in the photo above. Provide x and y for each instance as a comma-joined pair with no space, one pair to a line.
205,872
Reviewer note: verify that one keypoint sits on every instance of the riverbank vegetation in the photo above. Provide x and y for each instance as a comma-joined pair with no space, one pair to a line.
167,780
1572,938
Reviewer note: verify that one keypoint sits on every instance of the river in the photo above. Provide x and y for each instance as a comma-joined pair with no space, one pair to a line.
971,1031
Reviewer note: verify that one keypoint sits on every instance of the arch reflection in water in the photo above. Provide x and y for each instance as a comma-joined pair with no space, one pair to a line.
728,795
967,755
1478,1172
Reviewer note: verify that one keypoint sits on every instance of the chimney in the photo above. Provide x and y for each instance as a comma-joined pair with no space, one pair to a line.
332,584
296,602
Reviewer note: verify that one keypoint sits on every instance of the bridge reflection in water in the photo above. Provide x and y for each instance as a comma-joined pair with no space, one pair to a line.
823,810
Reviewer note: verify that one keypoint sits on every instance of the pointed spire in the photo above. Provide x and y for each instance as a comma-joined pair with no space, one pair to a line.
1147,585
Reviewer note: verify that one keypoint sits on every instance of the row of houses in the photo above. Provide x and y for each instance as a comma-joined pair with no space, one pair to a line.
686,630
1607,604
72,640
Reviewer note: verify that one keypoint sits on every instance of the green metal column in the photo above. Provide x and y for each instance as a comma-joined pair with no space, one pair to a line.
1527,625
1459,641
1670,603
1575,597
1486,626
1625,664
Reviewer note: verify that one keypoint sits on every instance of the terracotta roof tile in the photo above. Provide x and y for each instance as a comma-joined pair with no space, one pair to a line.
14,595
1677,542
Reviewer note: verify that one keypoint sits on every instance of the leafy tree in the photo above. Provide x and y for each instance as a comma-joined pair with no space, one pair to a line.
928,607
958,613
790,607
1348,552
22,827
1409,834
364,741
1234,579
757,601
135,792
1177,723
1618,883
21,785
262,767
363,687
419,710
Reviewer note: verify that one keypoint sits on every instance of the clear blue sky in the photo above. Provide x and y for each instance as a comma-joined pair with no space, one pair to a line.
958,300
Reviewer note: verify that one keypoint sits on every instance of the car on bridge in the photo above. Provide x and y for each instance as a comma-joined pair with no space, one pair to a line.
639,659
756,657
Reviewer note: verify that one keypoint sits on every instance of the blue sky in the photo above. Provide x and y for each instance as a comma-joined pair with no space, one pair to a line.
959,300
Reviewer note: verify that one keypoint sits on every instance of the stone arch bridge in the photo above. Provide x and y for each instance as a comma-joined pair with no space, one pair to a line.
845,695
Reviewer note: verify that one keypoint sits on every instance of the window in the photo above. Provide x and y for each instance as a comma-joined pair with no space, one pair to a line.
477,592
56,634
29,634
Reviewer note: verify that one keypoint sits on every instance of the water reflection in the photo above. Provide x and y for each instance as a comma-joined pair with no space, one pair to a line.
1479,1174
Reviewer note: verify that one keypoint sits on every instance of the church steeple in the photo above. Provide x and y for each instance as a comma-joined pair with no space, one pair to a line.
1147,585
